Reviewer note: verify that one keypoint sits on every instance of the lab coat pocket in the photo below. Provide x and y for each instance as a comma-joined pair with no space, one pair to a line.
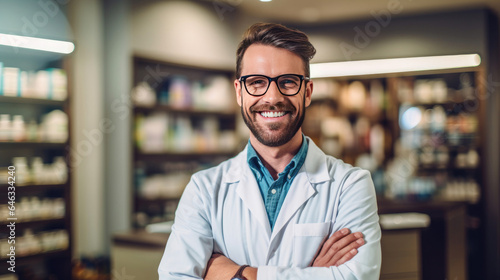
307,240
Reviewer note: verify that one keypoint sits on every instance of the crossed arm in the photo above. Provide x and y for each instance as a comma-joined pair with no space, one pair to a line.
336,250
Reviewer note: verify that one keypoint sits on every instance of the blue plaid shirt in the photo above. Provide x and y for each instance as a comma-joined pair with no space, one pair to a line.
274,191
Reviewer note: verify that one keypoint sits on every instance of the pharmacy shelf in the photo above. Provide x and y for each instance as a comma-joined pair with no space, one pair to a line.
21,224
180,156
41,191
169,161
29,188
34,144
55,261
34,101
36,258
193,112
54,264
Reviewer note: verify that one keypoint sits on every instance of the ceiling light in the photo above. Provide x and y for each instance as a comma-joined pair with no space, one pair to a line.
393,65
36,43
265,0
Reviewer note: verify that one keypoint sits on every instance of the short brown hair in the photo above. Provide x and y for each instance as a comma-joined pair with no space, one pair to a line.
279,36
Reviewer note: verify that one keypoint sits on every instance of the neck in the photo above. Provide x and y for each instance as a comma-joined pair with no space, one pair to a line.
275,159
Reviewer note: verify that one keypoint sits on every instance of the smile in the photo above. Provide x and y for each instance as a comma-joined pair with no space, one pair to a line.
274,114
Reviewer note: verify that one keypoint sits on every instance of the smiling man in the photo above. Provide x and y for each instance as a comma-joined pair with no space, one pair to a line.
281,209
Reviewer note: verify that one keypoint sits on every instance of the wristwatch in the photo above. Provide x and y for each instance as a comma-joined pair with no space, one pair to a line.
239,273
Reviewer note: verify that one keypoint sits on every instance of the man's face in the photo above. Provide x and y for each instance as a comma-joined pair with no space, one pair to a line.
273,119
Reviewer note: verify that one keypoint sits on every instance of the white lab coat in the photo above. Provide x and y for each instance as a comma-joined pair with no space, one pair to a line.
222,210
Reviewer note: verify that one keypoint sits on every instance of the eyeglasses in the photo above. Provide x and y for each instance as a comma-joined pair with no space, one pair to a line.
288,84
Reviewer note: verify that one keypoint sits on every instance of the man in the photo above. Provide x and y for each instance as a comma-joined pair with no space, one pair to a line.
266,213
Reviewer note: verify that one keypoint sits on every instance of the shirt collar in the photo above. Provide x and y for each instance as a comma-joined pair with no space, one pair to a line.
292,168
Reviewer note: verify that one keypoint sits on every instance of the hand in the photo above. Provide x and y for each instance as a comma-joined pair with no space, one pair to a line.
339,248
220,267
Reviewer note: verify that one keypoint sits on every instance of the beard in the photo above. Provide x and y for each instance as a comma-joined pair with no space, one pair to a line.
274,134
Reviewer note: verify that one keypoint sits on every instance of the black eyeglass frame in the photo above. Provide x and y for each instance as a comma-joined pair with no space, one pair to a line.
242,79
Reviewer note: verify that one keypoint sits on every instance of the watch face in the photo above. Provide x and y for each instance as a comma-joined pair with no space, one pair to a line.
236,278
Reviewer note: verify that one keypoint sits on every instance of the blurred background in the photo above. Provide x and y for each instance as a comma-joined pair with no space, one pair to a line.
107,107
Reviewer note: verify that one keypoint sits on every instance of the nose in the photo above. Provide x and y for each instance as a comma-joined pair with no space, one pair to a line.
273,95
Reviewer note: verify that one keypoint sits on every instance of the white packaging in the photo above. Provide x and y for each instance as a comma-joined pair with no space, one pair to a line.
57,84
18,129
28,80
5,128
1,78
41,85
54,127
11,81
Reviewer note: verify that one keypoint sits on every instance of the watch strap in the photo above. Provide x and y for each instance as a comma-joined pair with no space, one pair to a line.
239,273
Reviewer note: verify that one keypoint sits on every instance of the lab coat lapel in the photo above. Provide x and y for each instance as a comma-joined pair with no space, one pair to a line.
248,190
313,171
300,191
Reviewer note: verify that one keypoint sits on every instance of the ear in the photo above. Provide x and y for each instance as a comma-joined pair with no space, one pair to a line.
237,88
308,93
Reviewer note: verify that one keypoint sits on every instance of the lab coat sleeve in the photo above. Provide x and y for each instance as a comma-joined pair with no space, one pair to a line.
357,210
190,245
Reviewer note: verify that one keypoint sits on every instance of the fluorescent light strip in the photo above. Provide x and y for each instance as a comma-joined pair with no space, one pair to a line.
393,65
36,43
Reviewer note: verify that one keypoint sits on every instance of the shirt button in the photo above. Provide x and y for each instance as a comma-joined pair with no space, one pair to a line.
273,191
289,177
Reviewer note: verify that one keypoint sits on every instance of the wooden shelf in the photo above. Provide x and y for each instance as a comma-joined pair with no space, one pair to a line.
158,163
36,223
35,101
30,259
34,144
187,156
31,187
34,190
52,264
183,111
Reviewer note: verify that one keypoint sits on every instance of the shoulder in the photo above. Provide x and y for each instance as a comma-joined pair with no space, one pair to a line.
226,171
340,173
345,173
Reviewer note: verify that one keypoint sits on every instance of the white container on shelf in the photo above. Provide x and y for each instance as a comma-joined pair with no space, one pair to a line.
11,81
57,84
59,171
54,127
41,85
37,170
5,128
23,176
1,78
18,129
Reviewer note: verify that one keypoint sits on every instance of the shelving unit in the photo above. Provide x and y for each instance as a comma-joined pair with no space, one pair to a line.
426,159
43,242
184,121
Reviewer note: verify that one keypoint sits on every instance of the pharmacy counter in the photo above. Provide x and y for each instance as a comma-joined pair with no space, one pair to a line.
137,254
435,251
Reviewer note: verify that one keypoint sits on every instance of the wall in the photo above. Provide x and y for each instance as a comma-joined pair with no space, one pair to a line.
118,159
388,35
87,138
185,32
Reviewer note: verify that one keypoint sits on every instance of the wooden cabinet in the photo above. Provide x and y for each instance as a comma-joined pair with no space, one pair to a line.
439,251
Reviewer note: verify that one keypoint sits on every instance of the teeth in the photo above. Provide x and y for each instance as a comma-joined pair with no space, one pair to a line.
272,114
